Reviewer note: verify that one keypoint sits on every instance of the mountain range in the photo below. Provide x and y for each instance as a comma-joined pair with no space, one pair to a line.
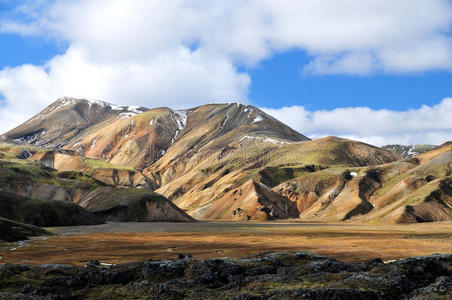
217,161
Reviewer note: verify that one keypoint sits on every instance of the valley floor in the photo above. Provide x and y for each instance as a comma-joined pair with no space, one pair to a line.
125,242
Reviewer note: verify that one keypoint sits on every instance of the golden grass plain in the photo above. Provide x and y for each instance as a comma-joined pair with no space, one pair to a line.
126,242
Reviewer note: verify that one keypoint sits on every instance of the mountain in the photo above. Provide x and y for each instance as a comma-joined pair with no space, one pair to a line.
409,150
418,189
196,181
224,161
136,137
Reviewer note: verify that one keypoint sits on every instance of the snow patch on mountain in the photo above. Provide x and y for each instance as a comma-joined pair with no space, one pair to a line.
126,115
225,120
258,118
127,110
181,119
264,139
101,103
66,101
93,143
181,122
409,150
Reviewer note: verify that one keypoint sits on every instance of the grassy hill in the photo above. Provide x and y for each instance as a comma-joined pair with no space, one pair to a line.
12,231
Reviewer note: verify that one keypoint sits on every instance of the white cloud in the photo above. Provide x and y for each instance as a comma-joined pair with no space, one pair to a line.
186,52
179,79
425,125
396,33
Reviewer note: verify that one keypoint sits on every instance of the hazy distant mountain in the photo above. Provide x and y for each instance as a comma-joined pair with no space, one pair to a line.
409,150
227,161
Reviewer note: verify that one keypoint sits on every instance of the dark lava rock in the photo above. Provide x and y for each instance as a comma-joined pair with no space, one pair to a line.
441,288
214,272
93,264
330,266
279,275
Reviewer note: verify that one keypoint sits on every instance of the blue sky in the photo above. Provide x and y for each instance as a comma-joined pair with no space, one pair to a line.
18,50
380,72
278,80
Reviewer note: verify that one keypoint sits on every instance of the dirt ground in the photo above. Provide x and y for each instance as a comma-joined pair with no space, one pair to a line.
125,242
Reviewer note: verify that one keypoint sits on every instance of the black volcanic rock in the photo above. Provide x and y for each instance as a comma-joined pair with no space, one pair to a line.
268,276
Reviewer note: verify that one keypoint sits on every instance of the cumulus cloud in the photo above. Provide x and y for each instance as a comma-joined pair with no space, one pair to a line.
425,125
186,52
393,34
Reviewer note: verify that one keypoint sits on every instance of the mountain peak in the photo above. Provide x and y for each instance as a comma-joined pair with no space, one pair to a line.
65,102
65,118
78,124
70,101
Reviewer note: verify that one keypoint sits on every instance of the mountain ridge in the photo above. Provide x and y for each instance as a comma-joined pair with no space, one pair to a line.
153,130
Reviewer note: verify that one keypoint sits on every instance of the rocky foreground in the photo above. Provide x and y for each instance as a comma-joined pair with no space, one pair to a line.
294,275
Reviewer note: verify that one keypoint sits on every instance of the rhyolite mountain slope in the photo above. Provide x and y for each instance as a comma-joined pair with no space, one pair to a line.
196,181
137,137
418,189
234,162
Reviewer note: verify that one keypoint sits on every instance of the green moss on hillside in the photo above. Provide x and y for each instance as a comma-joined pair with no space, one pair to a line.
9,147
11,231
135,205
24,171
126,197
74,177
273,176
44,212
